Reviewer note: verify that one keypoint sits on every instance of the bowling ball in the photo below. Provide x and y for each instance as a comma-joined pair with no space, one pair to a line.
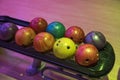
24,36
86,55
7,31
75,33
57,29
64,48
38,24
43,42
96,38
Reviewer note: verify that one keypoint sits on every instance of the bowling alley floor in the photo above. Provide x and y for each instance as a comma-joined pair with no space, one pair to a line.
13,67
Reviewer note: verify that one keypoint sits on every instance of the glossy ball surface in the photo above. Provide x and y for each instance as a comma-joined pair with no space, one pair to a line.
64,48
86,55
7,31
75,33
38,24
57,29
24,36
96,38
43,42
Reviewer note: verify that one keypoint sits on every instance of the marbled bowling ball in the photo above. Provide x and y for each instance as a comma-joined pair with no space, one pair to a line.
96,38
43,42
38,24
7,31
86,55
64,48
24,36
57,29
75,33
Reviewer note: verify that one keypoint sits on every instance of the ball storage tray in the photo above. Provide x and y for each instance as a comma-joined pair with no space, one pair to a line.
103,67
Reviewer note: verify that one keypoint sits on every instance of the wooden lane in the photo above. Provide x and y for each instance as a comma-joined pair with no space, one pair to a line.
89,14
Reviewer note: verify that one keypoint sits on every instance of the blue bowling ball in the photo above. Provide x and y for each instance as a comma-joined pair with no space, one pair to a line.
96,38
57,29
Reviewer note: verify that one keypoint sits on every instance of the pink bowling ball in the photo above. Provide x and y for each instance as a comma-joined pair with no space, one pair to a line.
86,55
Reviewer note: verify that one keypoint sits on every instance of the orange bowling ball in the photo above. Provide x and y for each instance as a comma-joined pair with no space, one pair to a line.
24,36
43,42
75,33
86,55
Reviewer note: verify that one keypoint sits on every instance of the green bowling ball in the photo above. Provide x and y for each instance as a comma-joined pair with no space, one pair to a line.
57,29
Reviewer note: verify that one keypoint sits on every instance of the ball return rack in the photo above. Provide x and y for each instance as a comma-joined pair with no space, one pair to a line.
103,67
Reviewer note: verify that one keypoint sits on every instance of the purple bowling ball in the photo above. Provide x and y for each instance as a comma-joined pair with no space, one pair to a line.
7,31
96,38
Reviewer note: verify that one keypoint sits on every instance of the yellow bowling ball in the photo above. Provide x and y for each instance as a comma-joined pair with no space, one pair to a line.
64,48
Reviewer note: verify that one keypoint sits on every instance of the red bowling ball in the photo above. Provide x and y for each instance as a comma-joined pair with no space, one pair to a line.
24,36
38,24
75,33
43,42
86,55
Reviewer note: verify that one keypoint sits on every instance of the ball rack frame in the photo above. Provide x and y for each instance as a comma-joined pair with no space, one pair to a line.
103,67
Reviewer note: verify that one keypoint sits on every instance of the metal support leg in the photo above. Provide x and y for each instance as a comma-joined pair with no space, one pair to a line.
35,67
